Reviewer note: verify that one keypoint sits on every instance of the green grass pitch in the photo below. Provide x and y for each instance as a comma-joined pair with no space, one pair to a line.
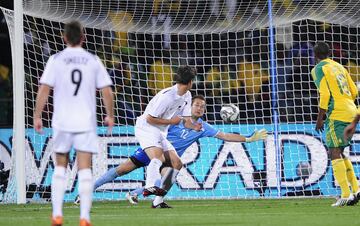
199,212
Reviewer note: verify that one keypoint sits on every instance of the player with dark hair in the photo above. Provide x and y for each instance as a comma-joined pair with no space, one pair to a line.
73,32
74,75
337,94
169,107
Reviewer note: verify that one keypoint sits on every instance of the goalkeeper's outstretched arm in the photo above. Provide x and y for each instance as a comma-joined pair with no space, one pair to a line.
233,137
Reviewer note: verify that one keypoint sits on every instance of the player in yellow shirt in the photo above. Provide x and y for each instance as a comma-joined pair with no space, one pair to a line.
337,94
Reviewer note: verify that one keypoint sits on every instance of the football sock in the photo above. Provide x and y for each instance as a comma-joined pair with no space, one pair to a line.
351,175
109,176
158,200
139,191
85,193
153,172
340,175
58,186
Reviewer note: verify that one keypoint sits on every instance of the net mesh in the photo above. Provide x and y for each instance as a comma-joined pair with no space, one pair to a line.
142,43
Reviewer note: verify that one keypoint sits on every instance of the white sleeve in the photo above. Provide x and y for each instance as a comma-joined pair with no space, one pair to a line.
102,77
160,106
48,76
187,109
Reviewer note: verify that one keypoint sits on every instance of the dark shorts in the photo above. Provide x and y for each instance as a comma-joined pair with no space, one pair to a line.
140,158
335,134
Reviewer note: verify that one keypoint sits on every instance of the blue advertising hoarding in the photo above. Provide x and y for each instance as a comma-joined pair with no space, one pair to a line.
213,168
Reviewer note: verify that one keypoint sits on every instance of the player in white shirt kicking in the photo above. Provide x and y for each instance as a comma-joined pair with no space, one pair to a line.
74,75
166,108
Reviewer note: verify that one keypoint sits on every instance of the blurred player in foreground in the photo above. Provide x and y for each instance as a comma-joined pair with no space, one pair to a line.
337,94
74,75
181,138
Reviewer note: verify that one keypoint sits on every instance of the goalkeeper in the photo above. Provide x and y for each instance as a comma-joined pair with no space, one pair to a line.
181,138
337,94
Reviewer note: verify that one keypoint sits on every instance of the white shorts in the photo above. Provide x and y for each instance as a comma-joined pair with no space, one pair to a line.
83,141
152,137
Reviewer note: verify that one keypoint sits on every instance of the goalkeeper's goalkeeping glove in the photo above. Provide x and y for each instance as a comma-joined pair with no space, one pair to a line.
257,135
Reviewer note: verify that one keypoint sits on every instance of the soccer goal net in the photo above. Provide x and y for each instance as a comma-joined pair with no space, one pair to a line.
243,54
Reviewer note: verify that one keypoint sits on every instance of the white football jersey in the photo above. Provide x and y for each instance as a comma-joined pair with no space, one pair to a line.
75,74
166,104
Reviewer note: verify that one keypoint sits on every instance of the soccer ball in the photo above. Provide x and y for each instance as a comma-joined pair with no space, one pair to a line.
229,113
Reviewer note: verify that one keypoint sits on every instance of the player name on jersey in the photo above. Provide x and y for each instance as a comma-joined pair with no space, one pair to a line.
76,60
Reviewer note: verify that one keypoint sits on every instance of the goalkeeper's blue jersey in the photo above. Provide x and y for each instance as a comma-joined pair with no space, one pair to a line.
180,137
